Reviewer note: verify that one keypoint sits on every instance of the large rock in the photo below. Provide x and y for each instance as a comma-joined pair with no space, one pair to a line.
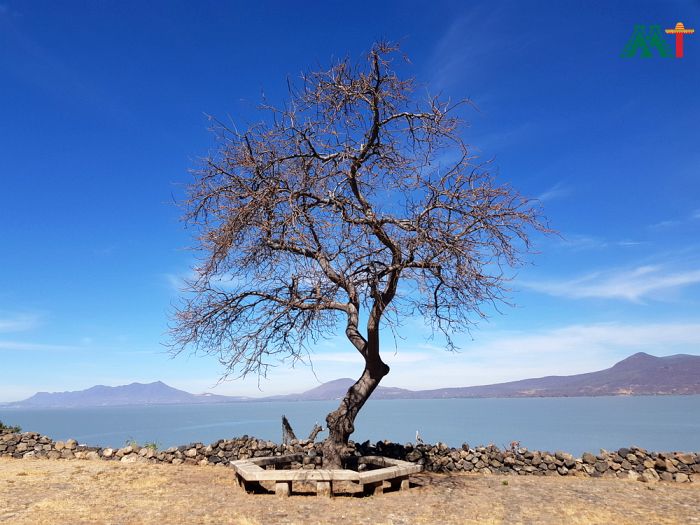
588,458
649,475
601,466
686,459
631,475
665,464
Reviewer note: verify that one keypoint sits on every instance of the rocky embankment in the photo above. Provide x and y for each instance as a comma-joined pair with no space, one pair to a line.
628,463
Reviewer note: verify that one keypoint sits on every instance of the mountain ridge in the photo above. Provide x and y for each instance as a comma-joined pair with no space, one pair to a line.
638,374
156,393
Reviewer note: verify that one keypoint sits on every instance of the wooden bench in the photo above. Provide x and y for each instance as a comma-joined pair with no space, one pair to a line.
251,472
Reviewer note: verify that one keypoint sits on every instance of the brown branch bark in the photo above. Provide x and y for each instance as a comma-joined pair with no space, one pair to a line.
323,212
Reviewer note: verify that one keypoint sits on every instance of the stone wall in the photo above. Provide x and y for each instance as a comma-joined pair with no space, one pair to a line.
628,463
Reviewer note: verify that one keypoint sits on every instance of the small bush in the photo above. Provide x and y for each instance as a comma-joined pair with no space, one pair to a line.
4,428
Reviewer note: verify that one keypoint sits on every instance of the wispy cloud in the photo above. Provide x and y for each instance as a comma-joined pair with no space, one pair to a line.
557,191
577,241
597,336
18,323
581,242
178,282
354,357
627,244
566,350
671,223
636,284
662,225
30,347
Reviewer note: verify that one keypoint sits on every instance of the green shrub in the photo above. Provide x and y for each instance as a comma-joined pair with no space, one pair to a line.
4,428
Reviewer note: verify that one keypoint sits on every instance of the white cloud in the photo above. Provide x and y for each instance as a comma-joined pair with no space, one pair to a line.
389,356
18,323
579,242
628,244
661,225
584,242
22,346
557,191
503,356
178,282
603,336
631,284
566,350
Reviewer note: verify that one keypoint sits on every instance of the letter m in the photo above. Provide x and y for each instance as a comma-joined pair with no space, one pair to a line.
644,41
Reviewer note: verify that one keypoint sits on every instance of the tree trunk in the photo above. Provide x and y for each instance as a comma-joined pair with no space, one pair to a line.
341,422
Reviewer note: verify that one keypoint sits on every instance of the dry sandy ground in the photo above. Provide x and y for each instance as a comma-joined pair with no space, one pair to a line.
73,492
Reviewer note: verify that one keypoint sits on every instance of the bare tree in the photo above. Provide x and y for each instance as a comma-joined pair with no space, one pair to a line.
352,202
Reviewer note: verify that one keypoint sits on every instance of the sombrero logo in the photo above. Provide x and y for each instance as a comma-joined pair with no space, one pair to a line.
645,39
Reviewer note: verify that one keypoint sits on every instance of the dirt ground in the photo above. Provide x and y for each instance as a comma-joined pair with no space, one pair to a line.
73,492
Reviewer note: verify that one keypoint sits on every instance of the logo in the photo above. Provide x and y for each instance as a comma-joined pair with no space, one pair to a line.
645,39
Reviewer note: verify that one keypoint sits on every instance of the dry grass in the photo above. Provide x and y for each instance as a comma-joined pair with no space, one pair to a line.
73,492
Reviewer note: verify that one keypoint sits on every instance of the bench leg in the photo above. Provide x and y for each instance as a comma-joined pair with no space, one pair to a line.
374,488
283,488
251,486
400,483
240,481
324,488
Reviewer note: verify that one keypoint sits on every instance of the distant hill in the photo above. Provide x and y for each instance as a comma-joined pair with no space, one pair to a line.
337,388
157,393
639,374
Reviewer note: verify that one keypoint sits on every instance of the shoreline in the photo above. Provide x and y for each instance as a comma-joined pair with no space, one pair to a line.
17,405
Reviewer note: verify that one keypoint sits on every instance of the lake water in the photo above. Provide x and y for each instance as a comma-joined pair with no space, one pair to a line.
662,423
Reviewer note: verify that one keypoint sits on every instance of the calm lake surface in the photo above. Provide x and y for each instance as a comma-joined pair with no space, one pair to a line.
663,423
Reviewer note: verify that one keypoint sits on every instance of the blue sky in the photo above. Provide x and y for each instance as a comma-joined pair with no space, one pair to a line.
102,113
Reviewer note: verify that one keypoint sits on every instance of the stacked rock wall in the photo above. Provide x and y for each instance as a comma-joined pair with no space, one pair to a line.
627,463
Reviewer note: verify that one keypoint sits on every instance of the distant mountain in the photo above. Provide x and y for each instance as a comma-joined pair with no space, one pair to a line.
639,374
157,393
337,388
